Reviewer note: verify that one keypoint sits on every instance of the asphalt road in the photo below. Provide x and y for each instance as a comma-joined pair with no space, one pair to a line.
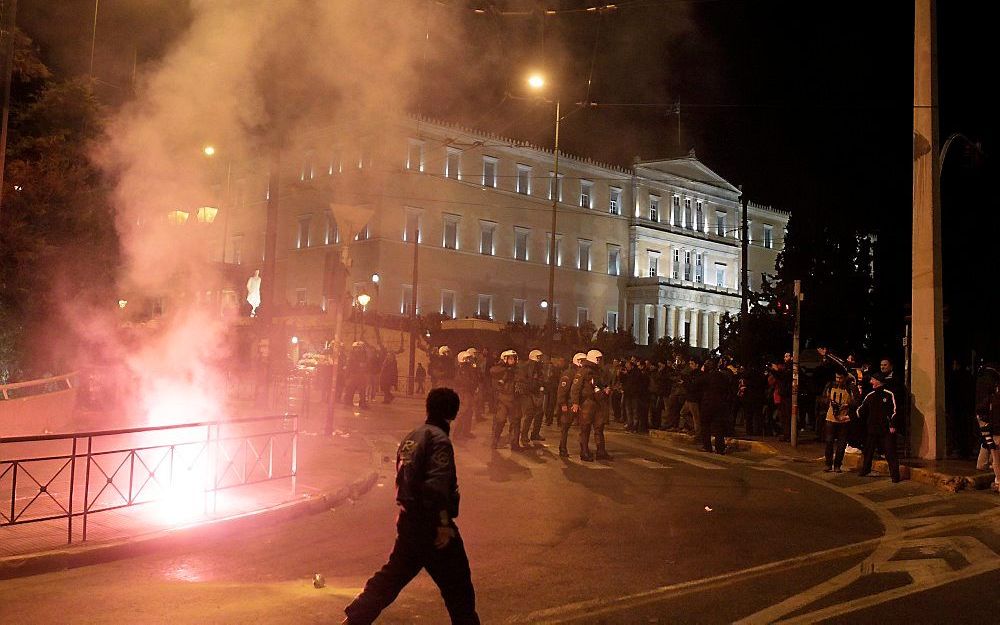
663,533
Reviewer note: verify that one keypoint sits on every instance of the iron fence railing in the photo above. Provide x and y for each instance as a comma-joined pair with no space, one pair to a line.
73,476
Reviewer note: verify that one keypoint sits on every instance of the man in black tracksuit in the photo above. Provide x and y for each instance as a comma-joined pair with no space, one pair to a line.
427,537
718,390
878,410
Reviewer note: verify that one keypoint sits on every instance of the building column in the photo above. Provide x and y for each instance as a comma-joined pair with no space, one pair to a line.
634,315
670,329
715,317
695,323
661,321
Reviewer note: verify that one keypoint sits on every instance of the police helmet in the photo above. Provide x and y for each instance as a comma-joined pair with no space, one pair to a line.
444,350
358,344
536,355
578,358
508,353
594,355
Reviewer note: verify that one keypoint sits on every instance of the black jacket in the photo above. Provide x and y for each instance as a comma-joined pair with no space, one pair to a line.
426,480
878,409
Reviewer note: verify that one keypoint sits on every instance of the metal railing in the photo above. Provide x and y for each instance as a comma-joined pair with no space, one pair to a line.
20,390
72,476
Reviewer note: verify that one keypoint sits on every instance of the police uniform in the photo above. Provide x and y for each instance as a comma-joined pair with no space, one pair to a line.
508,411
427,494
529,389
566,416
589,392
466,384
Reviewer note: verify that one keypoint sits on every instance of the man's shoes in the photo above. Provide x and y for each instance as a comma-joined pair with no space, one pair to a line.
587,458
516,447
537,437
837,470
828,470
563,453
895,480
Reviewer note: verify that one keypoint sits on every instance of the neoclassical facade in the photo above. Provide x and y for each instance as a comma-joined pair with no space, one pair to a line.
654,247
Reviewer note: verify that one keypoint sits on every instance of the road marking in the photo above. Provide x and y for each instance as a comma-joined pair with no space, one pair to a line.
660,452
931,520
910,501
647,464
867,487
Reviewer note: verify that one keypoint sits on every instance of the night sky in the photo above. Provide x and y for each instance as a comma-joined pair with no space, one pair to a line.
807,105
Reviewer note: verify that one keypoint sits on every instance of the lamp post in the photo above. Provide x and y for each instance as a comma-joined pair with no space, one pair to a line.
537,82
363,300
209,151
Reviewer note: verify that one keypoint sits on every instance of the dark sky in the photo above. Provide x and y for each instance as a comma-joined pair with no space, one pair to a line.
807,105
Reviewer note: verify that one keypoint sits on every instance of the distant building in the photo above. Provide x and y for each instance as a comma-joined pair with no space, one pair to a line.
654,248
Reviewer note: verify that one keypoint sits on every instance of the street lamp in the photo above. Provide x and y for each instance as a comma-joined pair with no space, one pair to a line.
209,151
537,82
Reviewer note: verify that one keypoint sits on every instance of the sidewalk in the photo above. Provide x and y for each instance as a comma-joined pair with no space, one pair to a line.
950,475
331,470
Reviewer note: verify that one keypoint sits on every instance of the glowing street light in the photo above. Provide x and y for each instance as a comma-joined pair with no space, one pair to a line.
295,340
544,304
375,278
122,303
364,299
209,150
536,81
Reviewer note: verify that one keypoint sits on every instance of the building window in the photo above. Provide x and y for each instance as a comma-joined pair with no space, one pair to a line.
720,223
406,301
581,317
699,216
524,179
654,264
486,245
687,265
302,240
412,230
688,217
450,237
768,237
448,304
676,270
236,249
452,163
521,243
614,260
555,187
485,306
331,233
548,249
615,203
612,320
300,297
720,275
518,315
415,155
586,194
489,171
654,208
675,210
583,257
699,268
364,234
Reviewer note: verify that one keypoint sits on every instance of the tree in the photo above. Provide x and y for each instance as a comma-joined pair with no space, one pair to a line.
58,243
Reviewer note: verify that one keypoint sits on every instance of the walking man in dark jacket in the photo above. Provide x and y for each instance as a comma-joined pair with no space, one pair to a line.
427,537
718,390
878,410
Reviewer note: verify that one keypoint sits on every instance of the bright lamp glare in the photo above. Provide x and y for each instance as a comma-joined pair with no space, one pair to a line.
209,150
536,81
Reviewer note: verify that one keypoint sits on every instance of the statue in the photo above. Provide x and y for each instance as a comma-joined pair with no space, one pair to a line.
253,292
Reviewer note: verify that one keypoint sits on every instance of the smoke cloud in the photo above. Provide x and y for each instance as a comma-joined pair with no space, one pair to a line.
247,75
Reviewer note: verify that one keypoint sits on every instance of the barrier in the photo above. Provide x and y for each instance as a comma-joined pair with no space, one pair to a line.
36,406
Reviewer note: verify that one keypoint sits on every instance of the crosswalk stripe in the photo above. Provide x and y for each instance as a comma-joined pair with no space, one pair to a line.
647,464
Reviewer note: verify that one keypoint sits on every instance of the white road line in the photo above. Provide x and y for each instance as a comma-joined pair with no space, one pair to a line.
659,452
647,464
910,501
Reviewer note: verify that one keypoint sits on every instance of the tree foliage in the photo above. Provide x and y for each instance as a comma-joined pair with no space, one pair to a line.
58,244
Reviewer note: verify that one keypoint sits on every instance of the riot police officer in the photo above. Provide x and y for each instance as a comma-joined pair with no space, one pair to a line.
466,385
529,385
566,416
508,410
589,395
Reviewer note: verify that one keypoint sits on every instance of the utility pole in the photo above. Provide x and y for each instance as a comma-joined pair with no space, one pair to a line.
795,363
8,17
414,322
744,281
927,425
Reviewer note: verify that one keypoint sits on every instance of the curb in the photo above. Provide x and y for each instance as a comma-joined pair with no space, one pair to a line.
943,481
84,555
738,444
